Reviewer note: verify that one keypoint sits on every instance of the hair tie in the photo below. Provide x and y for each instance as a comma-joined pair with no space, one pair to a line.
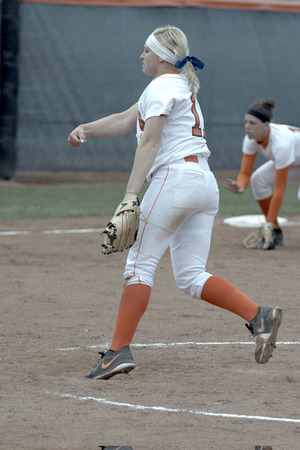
196,62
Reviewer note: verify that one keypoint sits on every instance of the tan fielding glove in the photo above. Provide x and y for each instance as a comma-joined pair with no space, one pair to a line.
253,239
262,238
120,233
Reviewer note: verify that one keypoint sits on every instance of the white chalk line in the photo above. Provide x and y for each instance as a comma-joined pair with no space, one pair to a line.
79,230
158,345
92,230
176,410
96,230
173,344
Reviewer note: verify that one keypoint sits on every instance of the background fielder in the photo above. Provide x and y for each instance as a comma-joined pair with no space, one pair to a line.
280,144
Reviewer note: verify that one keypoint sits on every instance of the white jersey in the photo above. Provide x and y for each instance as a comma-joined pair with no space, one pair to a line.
183,133
283,146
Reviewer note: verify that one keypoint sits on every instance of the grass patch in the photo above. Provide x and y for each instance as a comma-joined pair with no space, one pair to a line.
85,201
238,205
58,202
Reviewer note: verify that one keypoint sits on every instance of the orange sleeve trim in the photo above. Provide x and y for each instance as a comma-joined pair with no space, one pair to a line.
278,6
246,170
280,182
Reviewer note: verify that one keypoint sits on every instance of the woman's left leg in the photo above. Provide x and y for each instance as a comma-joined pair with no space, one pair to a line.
189,260
189,252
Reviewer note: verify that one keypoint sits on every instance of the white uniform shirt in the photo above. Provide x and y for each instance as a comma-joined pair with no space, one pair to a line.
183,133
283,146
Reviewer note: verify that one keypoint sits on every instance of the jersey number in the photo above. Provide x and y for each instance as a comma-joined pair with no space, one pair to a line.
141,122
196,130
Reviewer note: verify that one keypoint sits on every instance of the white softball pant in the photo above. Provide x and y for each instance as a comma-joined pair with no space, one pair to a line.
179,208
263,178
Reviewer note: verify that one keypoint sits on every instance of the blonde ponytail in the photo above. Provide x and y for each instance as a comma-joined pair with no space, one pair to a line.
188,71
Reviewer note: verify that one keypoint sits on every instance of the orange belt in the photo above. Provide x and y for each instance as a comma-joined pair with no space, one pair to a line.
191,158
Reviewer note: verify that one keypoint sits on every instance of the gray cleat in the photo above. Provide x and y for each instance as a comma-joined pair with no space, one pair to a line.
112,363
264,328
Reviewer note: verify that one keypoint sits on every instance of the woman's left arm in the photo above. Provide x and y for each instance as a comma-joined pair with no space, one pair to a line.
280,182
145,154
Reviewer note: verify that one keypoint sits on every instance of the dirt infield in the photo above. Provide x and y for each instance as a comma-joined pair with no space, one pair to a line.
196,385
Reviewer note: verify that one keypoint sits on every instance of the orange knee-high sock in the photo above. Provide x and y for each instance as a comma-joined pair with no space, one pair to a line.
264,206
133,304
222,293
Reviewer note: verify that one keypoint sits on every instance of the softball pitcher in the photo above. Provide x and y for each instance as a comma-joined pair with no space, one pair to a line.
180,204
280,144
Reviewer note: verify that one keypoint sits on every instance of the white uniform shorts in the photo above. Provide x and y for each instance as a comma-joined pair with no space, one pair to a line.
262,179
178,208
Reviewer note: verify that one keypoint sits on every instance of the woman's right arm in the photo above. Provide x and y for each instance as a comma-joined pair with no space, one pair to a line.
110,126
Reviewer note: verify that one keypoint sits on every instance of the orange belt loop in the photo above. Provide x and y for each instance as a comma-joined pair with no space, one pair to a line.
191,158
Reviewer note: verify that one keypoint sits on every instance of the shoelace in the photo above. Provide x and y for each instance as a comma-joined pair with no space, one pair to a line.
102,356
250,328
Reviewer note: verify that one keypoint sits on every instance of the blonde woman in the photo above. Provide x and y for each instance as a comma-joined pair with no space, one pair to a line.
180,204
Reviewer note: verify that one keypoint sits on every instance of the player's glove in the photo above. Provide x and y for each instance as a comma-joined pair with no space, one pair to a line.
253,240
267,237
120,233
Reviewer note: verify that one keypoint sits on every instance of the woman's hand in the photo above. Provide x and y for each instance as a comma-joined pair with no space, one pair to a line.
233,186
77,137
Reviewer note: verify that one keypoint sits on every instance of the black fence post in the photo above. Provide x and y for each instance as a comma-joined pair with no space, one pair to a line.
9,87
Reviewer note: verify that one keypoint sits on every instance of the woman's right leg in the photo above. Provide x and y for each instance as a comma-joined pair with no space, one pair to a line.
174,194
158,224
152,241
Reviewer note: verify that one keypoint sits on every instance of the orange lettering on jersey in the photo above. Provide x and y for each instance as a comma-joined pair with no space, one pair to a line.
294,129
141,122
196,130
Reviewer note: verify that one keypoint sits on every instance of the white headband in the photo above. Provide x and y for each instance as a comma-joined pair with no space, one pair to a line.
160,50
